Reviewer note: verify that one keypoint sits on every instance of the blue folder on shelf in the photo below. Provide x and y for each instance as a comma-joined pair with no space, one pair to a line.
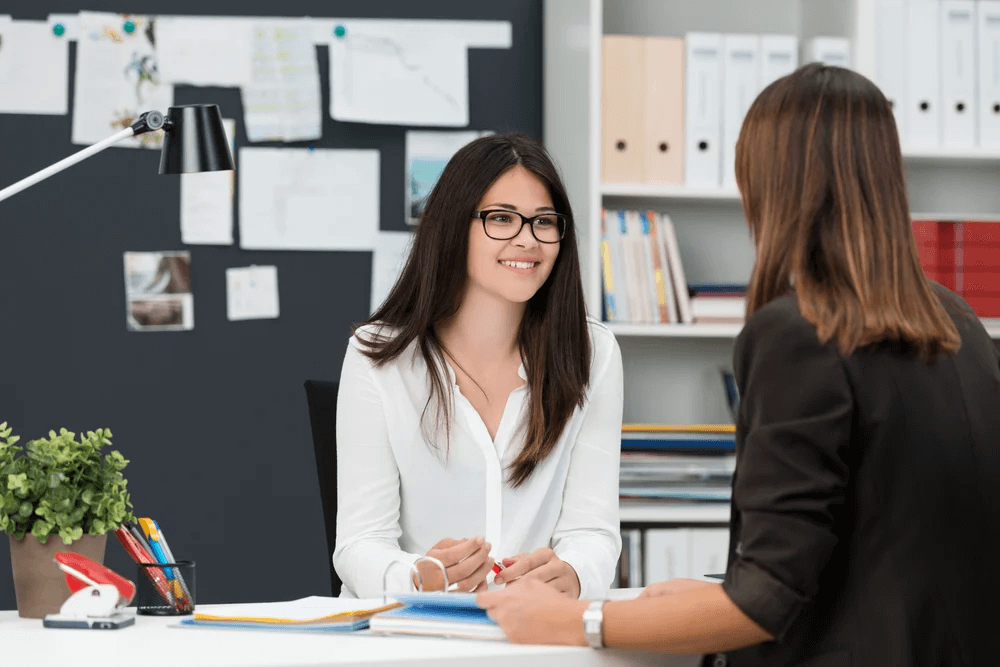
440,614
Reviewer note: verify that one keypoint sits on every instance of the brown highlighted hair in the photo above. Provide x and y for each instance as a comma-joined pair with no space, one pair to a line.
820,172
553,338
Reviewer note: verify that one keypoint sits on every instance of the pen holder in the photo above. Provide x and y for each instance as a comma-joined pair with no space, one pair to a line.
165,589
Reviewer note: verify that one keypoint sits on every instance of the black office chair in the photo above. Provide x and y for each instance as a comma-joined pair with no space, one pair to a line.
322,397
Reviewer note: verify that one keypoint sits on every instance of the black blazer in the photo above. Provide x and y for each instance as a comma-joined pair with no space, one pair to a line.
865,525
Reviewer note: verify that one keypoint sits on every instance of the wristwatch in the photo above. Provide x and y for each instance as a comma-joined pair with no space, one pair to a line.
593,624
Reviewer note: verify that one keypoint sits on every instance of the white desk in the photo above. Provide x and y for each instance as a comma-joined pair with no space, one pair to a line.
26,642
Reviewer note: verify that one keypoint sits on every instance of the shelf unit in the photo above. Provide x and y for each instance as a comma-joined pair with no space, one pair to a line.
672,371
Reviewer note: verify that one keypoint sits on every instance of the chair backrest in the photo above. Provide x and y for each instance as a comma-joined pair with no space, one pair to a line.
322,398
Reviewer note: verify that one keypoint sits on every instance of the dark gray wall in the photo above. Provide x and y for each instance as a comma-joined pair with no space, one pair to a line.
214,420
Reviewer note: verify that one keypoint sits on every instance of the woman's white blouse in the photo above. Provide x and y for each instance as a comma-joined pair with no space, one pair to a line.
397,496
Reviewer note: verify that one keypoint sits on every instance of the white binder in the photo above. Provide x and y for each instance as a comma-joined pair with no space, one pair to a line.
709,551
988,43
958,73
834,51
779,55
702,109
923,116
740,85
668,554
891,53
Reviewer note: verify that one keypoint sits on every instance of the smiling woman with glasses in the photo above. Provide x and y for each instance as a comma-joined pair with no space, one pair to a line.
479,417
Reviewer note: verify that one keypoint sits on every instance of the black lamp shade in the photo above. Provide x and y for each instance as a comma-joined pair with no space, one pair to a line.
194,140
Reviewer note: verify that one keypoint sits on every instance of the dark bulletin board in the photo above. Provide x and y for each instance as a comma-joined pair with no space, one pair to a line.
214,420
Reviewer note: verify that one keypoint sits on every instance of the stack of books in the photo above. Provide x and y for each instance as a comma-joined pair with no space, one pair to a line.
677,463
718,303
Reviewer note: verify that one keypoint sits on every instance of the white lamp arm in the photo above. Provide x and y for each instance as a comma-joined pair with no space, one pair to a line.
65,162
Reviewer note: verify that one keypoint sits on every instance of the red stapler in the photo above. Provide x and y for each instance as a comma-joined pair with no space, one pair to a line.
98,599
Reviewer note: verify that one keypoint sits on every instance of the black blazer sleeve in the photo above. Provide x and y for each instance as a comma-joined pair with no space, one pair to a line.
792,470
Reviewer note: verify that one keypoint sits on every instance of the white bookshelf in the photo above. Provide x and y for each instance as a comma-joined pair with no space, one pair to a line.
672,371
945,156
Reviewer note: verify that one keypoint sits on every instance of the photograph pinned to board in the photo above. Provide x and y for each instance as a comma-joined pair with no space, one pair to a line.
427,153
117,78
158,291
252,293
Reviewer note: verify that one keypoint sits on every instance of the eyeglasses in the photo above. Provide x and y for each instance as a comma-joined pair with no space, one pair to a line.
504,225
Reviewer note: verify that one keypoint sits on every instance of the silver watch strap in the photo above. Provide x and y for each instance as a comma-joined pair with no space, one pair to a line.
593,624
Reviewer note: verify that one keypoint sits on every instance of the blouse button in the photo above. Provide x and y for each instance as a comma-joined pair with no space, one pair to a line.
720,660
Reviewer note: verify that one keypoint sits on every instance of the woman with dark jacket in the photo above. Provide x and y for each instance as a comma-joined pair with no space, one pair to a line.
865,523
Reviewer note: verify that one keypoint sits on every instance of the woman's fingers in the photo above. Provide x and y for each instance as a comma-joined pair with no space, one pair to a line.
523,564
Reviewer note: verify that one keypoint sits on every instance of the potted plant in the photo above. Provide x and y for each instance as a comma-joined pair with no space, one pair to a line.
57,494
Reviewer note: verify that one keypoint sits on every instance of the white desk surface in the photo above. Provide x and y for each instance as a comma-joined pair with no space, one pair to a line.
157,642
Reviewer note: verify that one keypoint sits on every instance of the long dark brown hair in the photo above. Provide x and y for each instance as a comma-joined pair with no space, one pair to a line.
820,171
553,336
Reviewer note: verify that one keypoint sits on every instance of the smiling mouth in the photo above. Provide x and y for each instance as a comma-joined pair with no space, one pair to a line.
519,265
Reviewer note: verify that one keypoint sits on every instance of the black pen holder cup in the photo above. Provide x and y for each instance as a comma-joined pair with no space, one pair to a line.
165,590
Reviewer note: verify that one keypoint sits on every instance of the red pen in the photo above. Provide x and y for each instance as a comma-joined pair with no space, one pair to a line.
140,555
498,566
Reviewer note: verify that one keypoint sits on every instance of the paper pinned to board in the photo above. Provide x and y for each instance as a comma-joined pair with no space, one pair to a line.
207,201
308,199
252,293
205,50
405,72
34,68
117,78
282,100
388,259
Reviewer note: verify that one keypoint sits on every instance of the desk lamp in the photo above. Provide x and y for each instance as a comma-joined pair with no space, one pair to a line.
194,141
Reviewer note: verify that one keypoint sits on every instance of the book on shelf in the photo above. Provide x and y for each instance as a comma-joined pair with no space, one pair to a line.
678,428
718,304
676,467
674,492
963,256
310,614
630,561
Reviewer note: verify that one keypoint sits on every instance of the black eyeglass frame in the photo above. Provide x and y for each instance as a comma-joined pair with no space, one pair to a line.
562,221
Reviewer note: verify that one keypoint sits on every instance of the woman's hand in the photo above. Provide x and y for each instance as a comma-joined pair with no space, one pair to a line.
672,586
544,566
532,612
467,563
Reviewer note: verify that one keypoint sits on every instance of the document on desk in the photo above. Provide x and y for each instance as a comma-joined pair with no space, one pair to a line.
117,78
406,72
314,613
308,199
37,82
